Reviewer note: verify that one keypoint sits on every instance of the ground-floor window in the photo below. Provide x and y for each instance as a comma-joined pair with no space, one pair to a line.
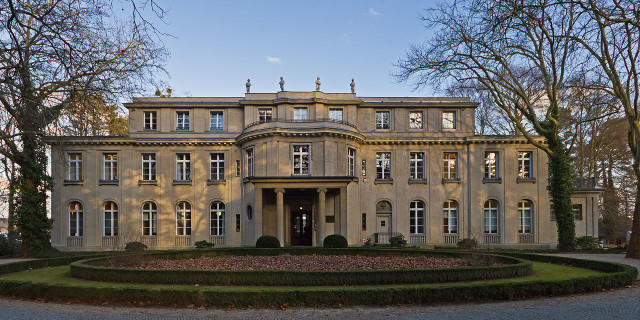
110,219
216,213
524,216
183,219
491,213
75,219
149,219
450,216
416,217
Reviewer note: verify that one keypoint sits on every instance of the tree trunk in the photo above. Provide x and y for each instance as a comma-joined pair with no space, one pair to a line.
634,243
561,190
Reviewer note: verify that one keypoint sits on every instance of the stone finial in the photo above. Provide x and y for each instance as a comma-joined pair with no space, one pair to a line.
248,85
281,84
318,84
353,86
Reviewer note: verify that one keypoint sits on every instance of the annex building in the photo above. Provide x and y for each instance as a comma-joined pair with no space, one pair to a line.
301,166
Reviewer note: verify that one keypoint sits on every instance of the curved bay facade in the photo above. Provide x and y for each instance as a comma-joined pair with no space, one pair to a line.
301,166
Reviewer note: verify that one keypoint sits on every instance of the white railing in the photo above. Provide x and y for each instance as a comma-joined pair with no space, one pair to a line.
451,238
74,241
218,241
183,241
526,238
109,242
383,237
491,238
417,239
149,241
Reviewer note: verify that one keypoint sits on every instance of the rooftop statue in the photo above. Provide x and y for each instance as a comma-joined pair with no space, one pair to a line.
353,86
248,85
281,84
318,84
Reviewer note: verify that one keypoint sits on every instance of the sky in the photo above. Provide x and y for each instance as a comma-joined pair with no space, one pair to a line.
218,45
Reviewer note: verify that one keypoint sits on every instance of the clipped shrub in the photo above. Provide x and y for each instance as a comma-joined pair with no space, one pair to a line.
135,246
468,243
335,241
8,246
397,241
587,243
204,244
267,242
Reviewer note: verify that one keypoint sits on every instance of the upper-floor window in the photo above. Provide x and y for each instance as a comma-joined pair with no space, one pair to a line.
110,219
382,120
450,216
249,156
577,211
149,219
351,162
110,166
217,120
383,165
183,167
450,169
415,120
150,120
148,166
524,217
416,165
491,165
265,115
525,164
182,121
335,114
300,159
75,219
183,219
300,114
74,166
216,215
491,214
216,164
448,120
416,217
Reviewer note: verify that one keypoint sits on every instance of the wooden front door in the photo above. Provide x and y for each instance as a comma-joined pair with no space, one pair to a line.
301,228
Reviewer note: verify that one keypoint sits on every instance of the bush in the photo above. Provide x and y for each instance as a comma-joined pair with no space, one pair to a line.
8,246
335,241
397,241
268,242
135,246
587,243
204,244
468,243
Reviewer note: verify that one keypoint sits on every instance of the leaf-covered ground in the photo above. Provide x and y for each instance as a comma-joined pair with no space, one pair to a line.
306,263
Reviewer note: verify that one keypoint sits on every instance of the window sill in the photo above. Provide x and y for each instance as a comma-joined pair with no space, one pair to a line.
416,181
108,182
456,180
182,182
300,175
213,182
387,181
216,130
149,130
178,130
73,182
492,180
526,180
147,182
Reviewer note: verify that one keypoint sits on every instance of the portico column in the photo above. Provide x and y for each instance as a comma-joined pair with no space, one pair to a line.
320,220
280,215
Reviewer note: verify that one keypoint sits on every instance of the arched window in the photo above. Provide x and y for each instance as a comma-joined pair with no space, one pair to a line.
524,216
249,213
75,219
450,216
491,214
110,214
183,218
216,215
149,219
416,217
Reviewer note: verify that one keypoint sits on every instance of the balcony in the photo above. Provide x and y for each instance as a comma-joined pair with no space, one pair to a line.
306,127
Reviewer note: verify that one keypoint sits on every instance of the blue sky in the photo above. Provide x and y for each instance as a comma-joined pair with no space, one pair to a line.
218,45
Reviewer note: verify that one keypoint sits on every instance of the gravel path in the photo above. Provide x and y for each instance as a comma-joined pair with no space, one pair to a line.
612,304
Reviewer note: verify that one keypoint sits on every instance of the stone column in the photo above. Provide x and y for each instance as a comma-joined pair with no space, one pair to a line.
320,220
280,215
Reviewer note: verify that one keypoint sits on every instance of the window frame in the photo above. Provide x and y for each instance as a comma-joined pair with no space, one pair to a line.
341,110
183,173
217,165
489,212
219,120
380,125
149,168
295,114
184,123
417,217
267,117
525,217
522,166
381,173
488,165
79,219
183,214
448,214
217,224
113,214
151,215
111,165
250,161
452,121
447,173
421,120
149,120
299,155
416,166
351,161
75,164
577,207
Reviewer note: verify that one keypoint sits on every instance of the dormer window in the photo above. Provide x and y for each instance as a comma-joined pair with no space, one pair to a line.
448,120
265,115
382,120
300,114
217,120
182,122
150,120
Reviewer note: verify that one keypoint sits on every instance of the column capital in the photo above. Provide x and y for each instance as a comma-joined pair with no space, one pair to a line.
322,190
278,190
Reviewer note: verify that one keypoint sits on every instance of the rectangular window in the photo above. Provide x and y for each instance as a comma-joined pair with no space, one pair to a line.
300,114
416,165
416,217
265,115
75,166
448,120
149,167
335,114
182,122
450,169
183,167
75,224
150,120
364,221
237,222
491,165
149,219
525,164
217,120
524,217
415,120
110,220
238,168
383,165
382,120
351,162
249,155
301,159
110,166
577,212
216,164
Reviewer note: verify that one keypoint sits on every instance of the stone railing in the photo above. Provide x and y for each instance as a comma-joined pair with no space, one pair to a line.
491,238
183,241
149,241
109,242
383,237
526,238
451,238
218,241
417,239
74,241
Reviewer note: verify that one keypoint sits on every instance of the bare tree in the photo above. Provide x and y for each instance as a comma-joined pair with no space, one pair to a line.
51,51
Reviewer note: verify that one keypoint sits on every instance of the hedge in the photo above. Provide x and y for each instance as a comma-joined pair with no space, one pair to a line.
92,270
43,263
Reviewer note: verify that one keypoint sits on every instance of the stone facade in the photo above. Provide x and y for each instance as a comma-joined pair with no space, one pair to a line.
301,166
